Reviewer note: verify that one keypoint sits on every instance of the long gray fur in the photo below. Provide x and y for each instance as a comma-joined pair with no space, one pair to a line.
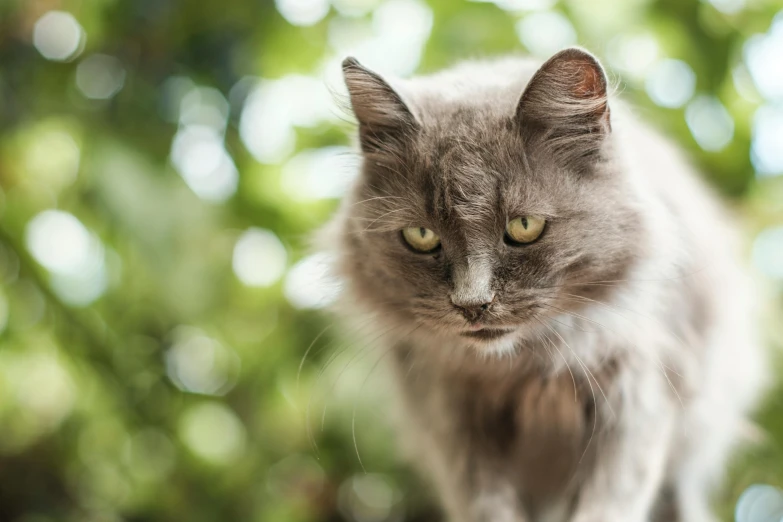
633,357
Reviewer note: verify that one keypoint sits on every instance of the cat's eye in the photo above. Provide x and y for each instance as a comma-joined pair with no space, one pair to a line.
525,229
421,239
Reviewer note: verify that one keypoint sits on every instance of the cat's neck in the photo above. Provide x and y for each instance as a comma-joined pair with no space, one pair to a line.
437,356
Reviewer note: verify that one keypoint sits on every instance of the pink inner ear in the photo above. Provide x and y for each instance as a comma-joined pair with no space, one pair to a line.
570,86
590,84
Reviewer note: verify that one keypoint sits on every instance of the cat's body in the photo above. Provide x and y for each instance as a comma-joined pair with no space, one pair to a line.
600,372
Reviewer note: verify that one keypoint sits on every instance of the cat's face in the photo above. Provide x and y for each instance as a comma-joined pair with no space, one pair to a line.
473,224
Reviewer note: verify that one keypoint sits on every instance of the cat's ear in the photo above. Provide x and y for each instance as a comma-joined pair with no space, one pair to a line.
383,116
566,103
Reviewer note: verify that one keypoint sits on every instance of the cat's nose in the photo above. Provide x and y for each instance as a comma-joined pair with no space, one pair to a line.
473,310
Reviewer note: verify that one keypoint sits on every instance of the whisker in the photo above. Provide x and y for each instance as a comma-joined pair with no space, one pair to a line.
307,352
611,307
580,360
321,372
353,413
616,282
308,426
658,361
353,359
568,367
375,198
592,391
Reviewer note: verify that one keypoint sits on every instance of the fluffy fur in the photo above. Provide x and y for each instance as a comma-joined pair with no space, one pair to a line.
630,358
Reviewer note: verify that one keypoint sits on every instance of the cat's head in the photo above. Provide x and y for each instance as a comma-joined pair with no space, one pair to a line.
488,199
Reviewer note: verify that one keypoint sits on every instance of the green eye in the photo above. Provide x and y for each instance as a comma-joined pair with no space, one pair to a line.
421,239
525,229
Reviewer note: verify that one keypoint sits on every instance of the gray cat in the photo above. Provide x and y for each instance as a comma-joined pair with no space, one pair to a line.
572,335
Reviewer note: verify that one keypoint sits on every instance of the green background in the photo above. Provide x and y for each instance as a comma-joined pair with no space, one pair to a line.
148,379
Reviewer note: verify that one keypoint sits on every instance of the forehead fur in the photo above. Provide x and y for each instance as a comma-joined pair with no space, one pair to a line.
490,88
467,159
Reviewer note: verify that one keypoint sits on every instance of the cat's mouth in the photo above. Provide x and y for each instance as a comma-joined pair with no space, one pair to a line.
487,334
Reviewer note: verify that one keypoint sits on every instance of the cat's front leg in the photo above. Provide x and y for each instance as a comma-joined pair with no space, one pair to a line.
497,502
478,495
631,459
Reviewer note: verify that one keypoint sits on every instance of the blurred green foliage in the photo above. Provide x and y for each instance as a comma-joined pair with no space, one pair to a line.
144,376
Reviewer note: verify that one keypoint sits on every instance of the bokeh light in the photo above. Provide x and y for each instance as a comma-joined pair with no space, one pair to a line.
311,284
199,155
74,256
41,386
728,6
197,363
710,123
368,498
319,173
671,83
59,242
523,5
266,126
545,32
767,145
401,28
58,36
203,106
633,54
52,157
259,258
763,53
768,252
744,84
213,432
303,12
391,43
100,77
